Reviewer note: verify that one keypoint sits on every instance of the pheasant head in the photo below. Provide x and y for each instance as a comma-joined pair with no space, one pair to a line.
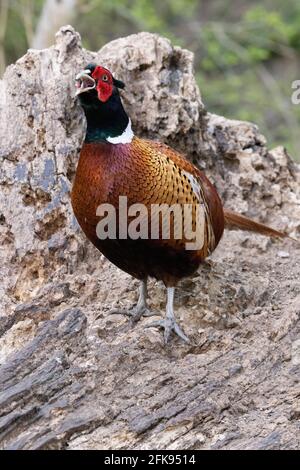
98,93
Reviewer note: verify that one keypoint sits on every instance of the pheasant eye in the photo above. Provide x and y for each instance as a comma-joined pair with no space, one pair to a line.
105,78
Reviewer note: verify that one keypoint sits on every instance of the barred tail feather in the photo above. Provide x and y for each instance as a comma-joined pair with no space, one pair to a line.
238,221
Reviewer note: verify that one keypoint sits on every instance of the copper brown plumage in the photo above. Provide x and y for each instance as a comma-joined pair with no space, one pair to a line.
149,174
115,163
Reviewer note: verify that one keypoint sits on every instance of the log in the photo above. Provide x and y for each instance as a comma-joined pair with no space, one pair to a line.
74,377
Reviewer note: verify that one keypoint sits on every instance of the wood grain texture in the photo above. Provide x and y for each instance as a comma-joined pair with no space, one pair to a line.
74,377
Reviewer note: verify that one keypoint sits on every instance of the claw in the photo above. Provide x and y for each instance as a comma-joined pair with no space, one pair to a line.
134,313
140,310
168,327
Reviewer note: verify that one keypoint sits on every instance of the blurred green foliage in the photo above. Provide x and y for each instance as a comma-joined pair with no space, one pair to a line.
247,53
21,22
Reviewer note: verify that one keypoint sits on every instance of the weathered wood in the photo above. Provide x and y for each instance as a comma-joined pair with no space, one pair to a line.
71,376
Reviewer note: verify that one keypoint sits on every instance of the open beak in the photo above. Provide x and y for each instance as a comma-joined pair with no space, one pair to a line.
84,82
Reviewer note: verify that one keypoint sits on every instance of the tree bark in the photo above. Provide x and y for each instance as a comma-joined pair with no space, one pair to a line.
72,376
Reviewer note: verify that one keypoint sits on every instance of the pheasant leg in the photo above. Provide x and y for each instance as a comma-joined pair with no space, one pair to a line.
140,309
169,323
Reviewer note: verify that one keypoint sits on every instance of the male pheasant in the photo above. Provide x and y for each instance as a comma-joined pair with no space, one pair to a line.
115,163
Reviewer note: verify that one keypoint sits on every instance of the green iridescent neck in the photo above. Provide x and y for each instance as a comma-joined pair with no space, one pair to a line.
104,120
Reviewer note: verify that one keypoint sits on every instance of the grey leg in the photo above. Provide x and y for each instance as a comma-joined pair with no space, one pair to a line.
169,323
140,309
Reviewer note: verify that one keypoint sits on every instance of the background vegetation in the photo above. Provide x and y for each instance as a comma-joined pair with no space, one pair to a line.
246,51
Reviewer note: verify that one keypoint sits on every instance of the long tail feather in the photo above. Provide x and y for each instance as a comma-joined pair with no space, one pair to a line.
238,221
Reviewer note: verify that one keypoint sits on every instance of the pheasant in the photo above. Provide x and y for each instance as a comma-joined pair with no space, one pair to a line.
116,164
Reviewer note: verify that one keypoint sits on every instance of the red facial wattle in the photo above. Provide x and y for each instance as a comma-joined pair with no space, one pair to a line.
104,83
104,90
